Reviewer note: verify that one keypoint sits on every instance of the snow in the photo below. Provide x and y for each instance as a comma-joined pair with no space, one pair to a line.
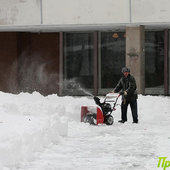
45,133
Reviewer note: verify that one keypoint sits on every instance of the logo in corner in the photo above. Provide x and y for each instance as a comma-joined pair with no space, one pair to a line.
163,163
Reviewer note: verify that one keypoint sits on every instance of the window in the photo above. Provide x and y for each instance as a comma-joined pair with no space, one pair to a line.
112,58
154,59
169,61
78,60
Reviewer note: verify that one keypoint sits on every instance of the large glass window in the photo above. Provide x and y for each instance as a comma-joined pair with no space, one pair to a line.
78,60
169,62
112,58
154,59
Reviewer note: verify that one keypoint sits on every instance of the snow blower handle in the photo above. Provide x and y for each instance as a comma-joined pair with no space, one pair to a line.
111,96
116,102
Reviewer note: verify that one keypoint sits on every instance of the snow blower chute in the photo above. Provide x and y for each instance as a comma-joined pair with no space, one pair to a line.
100,114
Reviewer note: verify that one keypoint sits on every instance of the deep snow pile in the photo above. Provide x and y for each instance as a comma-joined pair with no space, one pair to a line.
29,122
32,124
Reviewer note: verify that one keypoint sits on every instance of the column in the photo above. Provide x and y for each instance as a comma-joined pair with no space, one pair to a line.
135,55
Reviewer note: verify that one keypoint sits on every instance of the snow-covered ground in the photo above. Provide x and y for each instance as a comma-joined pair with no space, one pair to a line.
45,133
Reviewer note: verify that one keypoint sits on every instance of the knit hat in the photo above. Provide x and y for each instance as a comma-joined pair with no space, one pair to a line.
125,69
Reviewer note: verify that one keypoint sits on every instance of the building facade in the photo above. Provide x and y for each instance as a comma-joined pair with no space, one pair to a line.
78,47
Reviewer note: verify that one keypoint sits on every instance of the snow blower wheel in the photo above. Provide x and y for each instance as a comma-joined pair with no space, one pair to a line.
109,120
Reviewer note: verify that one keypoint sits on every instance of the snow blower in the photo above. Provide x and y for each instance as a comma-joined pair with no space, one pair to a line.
100,114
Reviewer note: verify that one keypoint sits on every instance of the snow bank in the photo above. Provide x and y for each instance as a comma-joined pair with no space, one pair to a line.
29,122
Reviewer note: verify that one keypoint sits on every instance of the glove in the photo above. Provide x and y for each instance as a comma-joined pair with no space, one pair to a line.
123,93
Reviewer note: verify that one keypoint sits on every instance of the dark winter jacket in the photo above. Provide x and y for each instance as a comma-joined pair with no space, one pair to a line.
127,84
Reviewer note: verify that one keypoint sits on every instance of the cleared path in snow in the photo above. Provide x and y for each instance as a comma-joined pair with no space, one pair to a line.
120,146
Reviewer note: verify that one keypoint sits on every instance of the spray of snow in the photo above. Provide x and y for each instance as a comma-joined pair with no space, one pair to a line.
71,85
32,75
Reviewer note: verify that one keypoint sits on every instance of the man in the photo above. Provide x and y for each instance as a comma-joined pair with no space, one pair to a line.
127,88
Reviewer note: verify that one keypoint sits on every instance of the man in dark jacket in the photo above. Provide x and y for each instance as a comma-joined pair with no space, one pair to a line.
127,88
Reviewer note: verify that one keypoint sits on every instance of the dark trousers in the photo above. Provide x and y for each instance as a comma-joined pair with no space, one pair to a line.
133,106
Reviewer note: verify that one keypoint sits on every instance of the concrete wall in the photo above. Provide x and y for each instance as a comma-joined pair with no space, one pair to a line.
57,12
85,11
105,11
150,11
20,12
